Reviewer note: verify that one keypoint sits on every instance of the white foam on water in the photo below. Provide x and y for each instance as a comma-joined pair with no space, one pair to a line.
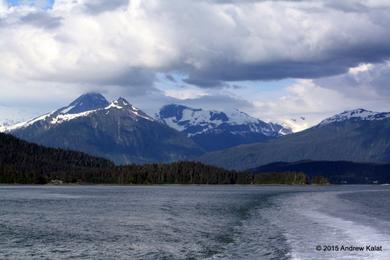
307,224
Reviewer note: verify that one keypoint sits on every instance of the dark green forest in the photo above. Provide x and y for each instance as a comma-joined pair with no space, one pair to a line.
25,163
337,172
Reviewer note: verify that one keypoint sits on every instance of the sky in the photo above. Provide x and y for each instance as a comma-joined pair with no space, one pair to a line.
279,61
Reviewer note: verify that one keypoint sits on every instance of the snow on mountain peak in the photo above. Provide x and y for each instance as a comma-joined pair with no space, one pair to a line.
122,103
356,114
195,121
84,105
239,117
5,124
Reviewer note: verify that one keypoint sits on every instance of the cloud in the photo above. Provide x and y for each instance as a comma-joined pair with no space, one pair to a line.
360,68
3,7
170,78
365,86
96,42
366,81
185,93
311,41
41,19
219,102
303,99
99,6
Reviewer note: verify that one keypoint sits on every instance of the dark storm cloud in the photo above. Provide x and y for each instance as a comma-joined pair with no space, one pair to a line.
138,78
332,63
204,82
215,76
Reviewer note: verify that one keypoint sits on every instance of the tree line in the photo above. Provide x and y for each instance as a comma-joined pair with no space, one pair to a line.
172,173
26,163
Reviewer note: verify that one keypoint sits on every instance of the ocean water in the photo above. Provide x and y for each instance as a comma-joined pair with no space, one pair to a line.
194,222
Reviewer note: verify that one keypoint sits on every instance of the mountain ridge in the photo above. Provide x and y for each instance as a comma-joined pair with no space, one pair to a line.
215,130
355,114
125,134
349,140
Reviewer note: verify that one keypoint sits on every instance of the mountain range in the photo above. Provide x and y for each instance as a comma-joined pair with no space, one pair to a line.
117,131
234,140
357,135
215,130
125,134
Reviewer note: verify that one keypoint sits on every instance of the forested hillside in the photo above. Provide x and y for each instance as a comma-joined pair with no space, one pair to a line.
23,162
337,172
351,140
26,163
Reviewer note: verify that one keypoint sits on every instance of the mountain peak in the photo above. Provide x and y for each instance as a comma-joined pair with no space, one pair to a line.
174,111
357,110
122,102
215,130
86,102
358,114
195,121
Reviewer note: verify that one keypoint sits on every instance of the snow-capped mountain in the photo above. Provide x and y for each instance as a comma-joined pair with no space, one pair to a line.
6,124
214,130
355,115
116,130
83,106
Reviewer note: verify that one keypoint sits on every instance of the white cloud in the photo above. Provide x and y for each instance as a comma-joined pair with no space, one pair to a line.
302,99
296,124
317,99
185,93
368,82
3,7
360,68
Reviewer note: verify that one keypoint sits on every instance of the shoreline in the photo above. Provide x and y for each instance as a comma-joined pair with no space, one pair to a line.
188,185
